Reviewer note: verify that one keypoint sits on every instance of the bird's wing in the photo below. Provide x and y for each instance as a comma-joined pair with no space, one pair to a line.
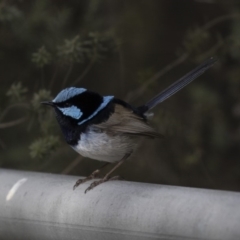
123,120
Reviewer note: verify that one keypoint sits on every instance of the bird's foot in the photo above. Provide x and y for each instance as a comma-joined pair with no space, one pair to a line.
83,180
90,177
80,181
96,183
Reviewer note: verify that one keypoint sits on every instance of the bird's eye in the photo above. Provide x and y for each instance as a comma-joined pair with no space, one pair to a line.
67,104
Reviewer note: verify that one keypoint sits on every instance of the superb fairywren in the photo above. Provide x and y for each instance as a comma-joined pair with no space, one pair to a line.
106,128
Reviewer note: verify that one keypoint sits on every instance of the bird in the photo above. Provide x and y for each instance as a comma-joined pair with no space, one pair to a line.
106,128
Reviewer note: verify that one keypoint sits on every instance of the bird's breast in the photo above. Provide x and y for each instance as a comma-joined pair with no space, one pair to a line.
100,145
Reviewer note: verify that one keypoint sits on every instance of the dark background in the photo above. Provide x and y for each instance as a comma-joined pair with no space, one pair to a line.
130,49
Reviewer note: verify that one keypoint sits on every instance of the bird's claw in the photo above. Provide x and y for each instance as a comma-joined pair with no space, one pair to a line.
96,183
80,181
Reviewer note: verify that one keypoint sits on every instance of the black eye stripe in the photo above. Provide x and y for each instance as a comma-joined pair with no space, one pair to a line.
64,104
88,102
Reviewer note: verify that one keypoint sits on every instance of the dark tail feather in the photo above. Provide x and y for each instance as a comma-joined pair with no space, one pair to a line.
178,85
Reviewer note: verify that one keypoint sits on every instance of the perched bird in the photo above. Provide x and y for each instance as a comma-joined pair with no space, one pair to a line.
106,128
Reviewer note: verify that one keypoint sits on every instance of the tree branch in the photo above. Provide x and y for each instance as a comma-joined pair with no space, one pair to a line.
12,123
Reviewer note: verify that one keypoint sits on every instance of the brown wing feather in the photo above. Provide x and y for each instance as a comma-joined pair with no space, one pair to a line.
125,121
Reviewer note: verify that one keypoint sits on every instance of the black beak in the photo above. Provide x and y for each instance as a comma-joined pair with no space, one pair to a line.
48,103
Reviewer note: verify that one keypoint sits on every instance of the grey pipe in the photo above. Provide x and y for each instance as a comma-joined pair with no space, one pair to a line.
44,206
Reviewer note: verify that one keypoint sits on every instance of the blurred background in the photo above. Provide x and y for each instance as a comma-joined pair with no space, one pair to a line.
133,50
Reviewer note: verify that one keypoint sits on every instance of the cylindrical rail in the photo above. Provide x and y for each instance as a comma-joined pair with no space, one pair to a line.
40,206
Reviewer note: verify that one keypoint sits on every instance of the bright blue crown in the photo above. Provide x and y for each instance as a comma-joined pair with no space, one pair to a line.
68,93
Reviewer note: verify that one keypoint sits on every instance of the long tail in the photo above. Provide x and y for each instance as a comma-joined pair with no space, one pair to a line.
178,85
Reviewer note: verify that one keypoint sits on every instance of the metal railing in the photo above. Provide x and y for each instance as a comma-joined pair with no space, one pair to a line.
40,206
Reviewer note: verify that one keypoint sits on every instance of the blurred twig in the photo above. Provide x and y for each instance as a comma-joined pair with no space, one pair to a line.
220,43
88,68
218,20
72,165
122,69
42,77
67,75
6,110
13,123
2,144
139,91
53,77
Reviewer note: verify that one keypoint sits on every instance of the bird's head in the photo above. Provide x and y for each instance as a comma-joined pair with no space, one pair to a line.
75,106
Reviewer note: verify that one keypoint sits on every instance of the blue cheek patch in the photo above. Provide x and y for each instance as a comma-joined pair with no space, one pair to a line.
72,112
105,102
68,93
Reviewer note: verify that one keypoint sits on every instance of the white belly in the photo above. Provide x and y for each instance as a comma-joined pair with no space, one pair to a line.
101,146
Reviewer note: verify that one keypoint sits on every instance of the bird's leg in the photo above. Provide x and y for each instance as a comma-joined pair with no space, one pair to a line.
106,177
90,177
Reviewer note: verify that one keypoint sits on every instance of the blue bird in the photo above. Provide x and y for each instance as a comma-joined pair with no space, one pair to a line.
106,128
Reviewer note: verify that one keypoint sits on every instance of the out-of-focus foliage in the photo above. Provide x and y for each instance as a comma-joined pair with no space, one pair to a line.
196,40
16,92
133,50
38,97
42,57
40,148
78,50
9,13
